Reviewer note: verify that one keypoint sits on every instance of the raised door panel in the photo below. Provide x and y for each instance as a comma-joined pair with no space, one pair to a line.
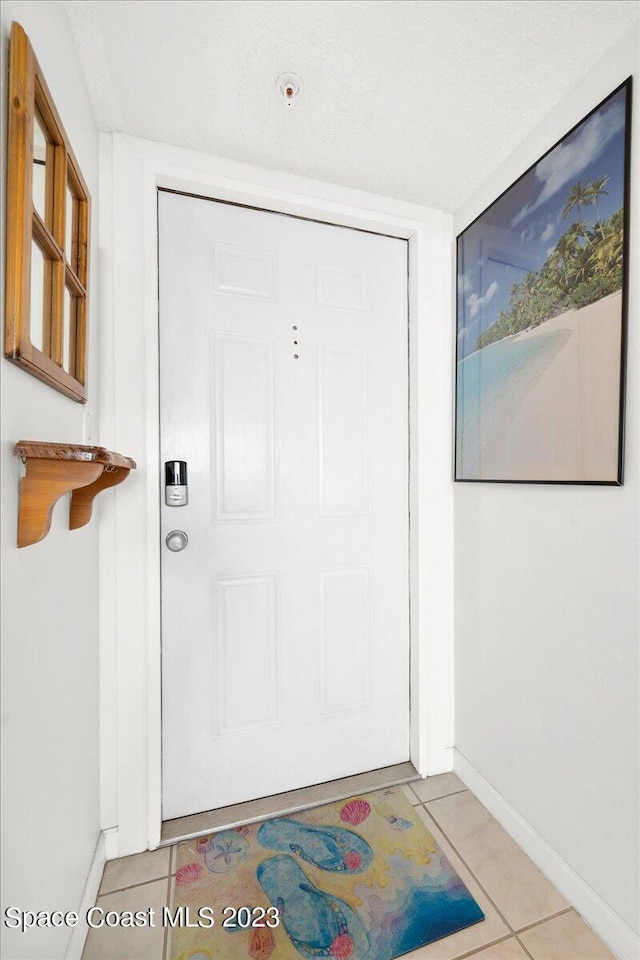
342,425
246,641
243,423
241,272
345,641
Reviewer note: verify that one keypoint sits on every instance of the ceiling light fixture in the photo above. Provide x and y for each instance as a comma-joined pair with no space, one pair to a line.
289,86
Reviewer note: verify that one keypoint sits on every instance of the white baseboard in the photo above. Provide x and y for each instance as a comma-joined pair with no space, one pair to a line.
618,936
89,897
111,843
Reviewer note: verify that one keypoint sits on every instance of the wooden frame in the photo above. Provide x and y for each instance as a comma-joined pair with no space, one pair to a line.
60,235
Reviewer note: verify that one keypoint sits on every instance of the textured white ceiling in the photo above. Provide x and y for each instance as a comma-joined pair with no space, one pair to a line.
418,100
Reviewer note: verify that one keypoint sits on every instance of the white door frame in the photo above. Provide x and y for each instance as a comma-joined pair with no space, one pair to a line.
131,172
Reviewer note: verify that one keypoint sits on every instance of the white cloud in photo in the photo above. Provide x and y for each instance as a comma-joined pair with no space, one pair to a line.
475,302
568,160
548,232
464,331
526,236
550,249
464,282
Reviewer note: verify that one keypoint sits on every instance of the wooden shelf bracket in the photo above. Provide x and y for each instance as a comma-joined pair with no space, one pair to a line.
54,469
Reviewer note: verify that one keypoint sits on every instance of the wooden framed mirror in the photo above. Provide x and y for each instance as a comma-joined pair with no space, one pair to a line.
47,240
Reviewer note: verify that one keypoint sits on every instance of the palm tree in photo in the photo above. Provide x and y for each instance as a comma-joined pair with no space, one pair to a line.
567,250
579,197
595,190
607,255
577,249
554,262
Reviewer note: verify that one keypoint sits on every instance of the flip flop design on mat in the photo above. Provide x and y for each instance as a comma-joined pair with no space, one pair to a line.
328,848
317,923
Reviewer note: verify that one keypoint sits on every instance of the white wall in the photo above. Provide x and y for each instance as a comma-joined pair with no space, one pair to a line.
546,609
50,782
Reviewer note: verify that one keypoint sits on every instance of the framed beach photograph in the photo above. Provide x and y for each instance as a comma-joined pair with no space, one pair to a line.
541,315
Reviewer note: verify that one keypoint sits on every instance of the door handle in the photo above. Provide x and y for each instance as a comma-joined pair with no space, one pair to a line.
176,540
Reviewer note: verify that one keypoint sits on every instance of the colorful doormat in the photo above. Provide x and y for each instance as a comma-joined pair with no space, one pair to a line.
361,879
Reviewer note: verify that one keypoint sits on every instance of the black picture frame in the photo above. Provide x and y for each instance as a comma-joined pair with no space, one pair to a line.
542,313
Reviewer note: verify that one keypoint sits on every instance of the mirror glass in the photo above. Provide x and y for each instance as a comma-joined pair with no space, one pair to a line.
70,225
39,168
37,296
66,330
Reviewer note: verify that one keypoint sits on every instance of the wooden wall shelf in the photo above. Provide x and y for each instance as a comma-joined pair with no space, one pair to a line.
53,469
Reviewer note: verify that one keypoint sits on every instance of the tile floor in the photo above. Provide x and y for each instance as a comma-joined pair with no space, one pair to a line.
525,916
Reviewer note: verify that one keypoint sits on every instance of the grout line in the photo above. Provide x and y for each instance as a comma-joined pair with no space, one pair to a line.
165,939
519,941
416,799
453,793
484,946
131,886
551,916
453,846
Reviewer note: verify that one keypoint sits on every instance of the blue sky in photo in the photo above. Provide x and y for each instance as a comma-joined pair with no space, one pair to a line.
519,231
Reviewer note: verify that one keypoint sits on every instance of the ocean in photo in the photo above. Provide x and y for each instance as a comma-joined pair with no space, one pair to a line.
491,385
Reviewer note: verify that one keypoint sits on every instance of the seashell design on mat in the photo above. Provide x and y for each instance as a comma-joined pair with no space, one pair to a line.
262,943
342,947
355,812
398,823
191,873
385,811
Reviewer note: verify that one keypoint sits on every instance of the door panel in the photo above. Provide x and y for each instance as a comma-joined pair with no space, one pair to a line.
283,370
243,419
345,641
342,429
246,684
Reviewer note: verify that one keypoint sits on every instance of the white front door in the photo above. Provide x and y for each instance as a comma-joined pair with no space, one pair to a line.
284,386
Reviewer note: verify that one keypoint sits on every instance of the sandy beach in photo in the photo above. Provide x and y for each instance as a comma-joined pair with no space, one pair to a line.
566,426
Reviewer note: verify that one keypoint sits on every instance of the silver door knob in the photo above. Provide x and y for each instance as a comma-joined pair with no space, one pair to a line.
176,540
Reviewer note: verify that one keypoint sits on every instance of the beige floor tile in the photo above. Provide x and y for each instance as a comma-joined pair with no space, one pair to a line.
433,787
139,868
513,882
472,938
171,904
564,938
507,950
410,795
127,943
